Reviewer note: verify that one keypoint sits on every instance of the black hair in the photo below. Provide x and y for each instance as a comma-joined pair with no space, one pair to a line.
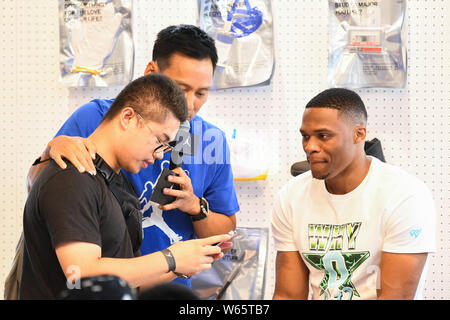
153,96
348,103
168,291
185,39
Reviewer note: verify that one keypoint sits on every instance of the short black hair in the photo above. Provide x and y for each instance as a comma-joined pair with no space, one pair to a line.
153,96
348,103
185,39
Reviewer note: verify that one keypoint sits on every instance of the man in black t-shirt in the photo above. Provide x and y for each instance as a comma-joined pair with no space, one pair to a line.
73,225
66,206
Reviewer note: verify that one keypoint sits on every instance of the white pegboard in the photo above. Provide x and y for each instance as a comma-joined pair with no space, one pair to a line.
413,123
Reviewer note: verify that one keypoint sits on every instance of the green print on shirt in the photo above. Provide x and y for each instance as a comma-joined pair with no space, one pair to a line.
328,241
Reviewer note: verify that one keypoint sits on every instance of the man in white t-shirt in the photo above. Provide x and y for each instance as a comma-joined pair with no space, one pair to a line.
352,227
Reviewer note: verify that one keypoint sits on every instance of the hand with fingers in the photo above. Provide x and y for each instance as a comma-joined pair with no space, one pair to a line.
79,151
193,256
186,200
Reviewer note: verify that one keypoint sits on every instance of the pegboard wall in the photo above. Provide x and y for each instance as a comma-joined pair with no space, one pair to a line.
413,123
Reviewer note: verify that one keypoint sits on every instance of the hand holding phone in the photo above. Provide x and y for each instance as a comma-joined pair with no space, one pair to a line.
232,233
157,195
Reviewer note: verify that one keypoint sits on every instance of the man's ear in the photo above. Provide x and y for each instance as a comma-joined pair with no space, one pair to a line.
152,67
126,115
359,134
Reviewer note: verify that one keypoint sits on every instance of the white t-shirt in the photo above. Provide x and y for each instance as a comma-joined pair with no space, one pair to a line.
341,237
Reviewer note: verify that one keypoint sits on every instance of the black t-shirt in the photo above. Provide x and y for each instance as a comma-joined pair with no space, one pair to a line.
66,206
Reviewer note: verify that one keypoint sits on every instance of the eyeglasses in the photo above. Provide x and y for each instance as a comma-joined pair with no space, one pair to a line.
163,147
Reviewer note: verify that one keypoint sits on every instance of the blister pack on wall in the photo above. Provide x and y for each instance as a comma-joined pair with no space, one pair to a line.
96,44
243,32
240,274
365,41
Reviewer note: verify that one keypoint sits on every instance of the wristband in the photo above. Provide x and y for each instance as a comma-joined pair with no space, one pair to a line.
171,263
170,259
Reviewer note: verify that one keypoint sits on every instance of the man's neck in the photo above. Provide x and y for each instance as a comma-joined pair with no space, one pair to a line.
350,178
102,138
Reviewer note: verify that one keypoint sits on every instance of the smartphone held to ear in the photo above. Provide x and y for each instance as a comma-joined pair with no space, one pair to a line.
157,195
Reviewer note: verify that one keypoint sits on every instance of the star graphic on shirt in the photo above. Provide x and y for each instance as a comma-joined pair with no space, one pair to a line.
352,261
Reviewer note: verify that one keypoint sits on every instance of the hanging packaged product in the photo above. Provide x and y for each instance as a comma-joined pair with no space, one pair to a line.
365,39
96,43
243,33
241,273
248,157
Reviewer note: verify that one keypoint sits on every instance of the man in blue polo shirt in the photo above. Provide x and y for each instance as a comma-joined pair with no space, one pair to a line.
188,56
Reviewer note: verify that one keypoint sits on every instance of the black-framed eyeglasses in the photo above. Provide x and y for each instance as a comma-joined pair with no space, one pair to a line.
163,147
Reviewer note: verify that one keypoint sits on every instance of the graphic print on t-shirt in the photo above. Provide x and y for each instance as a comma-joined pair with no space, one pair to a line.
152,215
326,245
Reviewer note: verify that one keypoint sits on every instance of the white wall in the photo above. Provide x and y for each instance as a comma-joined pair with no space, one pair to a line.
412,123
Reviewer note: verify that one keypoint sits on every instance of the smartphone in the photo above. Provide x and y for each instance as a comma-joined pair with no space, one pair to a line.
232,233
157,195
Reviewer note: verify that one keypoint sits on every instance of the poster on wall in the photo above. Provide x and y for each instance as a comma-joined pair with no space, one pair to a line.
243,33
96,43
365,44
